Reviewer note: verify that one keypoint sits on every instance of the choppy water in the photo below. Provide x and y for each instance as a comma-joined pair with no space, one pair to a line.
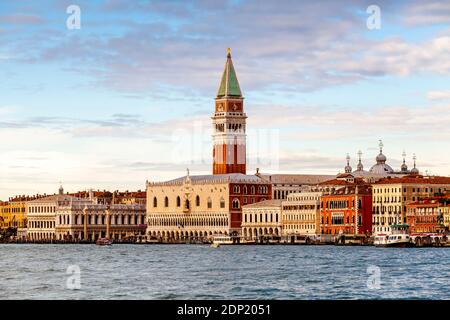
230,272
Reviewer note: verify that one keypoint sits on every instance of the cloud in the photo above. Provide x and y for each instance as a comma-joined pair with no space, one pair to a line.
21,18
438,95
427,13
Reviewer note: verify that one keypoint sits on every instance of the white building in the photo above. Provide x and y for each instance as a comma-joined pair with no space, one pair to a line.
262,219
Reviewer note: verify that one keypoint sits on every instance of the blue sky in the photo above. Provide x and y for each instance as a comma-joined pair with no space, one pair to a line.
128,97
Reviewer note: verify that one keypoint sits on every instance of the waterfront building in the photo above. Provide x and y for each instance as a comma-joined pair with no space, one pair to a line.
285,184
301,214
424,216
13,213
125,220
347,210
42,216
199,206
444,211
262,219
391,196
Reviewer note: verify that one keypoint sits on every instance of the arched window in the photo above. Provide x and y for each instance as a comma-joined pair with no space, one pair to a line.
187,204
252,190
236,189
166,202
197,201
209,203
235,204
222,203
155,202
245,189
178,201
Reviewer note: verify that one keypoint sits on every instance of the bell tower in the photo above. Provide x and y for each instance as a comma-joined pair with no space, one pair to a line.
229,137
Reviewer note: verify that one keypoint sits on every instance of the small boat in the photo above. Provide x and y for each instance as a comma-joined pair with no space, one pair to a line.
215,245
103,242
222,239
399,238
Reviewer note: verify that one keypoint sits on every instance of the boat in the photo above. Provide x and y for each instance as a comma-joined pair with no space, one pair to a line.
215,245
222,239
103,242
399,238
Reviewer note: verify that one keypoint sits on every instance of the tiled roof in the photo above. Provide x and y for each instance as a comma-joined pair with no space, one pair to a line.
302,179
264,204
417,179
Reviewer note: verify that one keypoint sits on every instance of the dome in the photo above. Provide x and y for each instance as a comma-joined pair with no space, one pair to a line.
404,167
381,168
348,169
381,158
360,167
415,171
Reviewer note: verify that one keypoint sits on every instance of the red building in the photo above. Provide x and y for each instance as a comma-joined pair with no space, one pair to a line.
347,210
424,216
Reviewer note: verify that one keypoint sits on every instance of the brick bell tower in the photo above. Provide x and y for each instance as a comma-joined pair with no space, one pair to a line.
229,138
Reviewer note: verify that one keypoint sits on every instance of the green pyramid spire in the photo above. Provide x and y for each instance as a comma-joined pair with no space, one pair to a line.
229,85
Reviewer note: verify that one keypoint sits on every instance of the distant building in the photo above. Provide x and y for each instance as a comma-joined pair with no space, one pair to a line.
380,170
424,216
262,219
285,184
347,210
301,214
201,206
13,213
391,196
61,217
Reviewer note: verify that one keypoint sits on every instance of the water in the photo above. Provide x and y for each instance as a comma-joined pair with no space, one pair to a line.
35,271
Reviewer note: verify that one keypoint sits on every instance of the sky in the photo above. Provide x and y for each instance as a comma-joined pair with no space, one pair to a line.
128,96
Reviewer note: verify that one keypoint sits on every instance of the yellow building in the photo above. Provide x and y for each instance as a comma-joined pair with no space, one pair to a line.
13,214
301,214
444,211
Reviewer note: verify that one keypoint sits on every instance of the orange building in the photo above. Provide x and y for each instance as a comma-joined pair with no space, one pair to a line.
424,216
347,210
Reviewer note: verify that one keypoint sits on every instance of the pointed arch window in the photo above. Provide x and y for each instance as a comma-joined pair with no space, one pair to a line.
166,202
155,202
236,204
209,203
197,201
222,203
178,201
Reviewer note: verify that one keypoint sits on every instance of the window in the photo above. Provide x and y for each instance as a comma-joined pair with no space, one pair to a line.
245,189
178,201
166,202
236,189
235,204
155,202
197,201
222,203
209,203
